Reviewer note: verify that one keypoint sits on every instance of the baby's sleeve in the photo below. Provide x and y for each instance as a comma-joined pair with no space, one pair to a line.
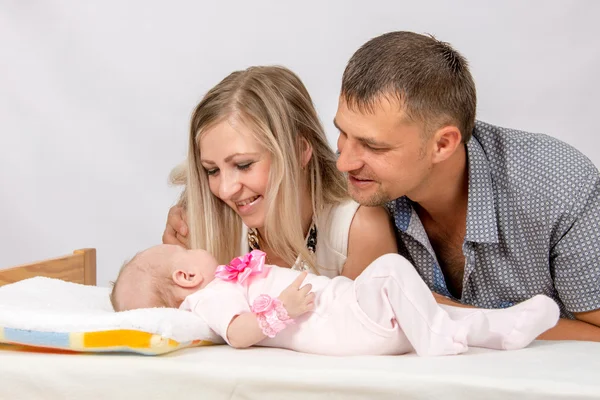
218,306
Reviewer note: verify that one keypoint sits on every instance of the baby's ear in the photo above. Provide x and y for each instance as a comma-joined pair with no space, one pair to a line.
186,278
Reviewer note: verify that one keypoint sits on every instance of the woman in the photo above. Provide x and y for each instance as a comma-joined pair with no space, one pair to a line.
259,168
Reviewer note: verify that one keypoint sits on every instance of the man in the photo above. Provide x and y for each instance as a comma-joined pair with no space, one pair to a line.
489,216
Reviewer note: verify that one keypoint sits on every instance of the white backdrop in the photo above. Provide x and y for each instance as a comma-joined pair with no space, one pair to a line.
95,97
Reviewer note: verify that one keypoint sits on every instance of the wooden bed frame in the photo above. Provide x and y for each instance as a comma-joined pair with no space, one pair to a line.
79,267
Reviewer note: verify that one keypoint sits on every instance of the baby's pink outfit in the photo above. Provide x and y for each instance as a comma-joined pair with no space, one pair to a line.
387,310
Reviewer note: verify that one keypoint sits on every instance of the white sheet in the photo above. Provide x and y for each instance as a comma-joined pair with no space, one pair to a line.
546,370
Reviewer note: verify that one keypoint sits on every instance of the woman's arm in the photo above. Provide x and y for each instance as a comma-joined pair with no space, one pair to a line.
371,235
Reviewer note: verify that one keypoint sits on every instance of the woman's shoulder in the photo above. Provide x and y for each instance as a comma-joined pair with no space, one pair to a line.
347,211
344,210
333,227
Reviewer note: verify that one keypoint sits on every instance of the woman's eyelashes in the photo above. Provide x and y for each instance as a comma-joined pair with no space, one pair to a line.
241,166
244,166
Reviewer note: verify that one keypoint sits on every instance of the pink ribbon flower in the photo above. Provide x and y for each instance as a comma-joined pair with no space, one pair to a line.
242,268
262,303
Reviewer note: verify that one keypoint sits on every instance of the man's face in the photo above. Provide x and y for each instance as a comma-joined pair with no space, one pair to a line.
385,155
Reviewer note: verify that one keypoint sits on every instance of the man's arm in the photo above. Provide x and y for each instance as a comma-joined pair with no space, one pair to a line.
574,264
572,329
591,317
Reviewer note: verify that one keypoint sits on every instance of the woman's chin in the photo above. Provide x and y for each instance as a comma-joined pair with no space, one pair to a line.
253,222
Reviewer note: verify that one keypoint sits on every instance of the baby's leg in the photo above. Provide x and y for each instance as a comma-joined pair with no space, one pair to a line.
390,291
509,328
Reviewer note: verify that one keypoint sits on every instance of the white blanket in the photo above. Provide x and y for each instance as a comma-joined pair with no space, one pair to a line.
33,307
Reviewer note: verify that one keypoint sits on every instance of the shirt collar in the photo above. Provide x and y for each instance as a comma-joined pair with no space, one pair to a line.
482,221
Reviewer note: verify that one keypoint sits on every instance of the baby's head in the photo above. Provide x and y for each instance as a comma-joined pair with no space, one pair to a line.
162,276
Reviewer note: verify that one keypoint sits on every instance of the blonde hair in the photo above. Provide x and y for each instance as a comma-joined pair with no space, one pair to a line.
274,104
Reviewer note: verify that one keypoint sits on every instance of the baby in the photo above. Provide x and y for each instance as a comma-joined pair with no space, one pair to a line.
387,310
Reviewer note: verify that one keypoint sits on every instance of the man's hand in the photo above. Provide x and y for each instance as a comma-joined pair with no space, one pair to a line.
298,300
176,230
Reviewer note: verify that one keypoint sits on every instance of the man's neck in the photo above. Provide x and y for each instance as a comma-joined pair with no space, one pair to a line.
446,198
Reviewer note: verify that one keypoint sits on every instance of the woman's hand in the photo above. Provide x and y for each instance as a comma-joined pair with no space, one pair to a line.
176,230
298,300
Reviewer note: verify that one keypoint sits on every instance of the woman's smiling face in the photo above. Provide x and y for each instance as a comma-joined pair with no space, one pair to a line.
238,168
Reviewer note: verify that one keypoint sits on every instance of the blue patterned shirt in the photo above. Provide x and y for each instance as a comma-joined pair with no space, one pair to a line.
533,224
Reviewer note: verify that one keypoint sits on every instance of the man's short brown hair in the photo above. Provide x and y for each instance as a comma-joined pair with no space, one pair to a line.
428,77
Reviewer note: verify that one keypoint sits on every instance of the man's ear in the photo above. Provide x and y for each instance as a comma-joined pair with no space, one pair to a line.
445,141
305,152
187,279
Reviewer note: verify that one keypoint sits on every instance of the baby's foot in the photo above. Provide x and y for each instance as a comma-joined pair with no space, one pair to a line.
531,318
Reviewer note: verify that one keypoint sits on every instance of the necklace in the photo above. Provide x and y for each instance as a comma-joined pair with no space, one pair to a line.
299,265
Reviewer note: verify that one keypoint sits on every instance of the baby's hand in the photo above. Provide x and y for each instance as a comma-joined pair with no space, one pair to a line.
298,300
